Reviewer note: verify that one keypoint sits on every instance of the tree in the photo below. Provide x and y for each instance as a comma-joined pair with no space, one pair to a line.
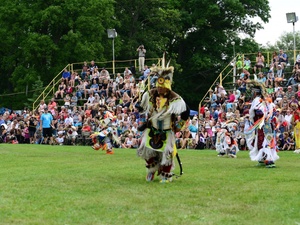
196,34
286,42
42,37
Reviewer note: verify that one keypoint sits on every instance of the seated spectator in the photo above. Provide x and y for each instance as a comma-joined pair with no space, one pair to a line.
290,92
74,99
52,105
72,134
66,76
72,79
259,62
127,72
275,60
92,66
186,139
126,100
146,73
61,90
104,74
288,143
279,74
77,119
283,59
202,138
85,69
60,139
193,128
118,78
87,90
130,142
261,78
95,76
41,108
67,100
270,78
94,88
80,89
247,64
110,88
90,101
111,100
68,120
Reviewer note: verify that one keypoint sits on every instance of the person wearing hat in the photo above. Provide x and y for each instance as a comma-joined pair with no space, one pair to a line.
260,136
46,125
162,107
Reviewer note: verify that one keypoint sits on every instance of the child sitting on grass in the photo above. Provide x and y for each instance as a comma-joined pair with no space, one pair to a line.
288,142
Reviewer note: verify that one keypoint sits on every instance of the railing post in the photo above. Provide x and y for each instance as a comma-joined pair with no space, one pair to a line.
234,73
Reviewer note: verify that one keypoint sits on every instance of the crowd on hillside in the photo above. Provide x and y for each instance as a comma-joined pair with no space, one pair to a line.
83,99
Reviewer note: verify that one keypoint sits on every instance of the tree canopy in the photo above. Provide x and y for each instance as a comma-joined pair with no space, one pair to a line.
39,38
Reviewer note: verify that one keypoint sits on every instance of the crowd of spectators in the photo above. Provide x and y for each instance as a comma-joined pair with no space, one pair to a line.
83,100
233,105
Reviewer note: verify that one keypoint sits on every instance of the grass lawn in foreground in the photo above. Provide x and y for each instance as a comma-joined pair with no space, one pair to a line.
42,184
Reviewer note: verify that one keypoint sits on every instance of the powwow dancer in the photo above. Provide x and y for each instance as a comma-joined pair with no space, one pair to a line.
296,124
161,106
260,137
225,142
105,137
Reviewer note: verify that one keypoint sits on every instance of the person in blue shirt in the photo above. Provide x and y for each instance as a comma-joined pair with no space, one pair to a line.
46,125
66,76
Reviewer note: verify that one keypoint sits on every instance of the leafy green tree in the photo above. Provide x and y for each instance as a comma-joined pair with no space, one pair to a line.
45,36
286,42
42,37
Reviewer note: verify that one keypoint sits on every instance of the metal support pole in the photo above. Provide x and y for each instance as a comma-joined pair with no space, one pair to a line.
113,46
294,43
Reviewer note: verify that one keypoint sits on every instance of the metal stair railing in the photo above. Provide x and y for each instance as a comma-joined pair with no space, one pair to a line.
221,78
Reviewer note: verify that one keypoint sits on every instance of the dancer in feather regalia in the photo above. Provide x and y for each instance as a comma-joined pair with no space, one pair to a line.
260,137
166,113
105,137
226,144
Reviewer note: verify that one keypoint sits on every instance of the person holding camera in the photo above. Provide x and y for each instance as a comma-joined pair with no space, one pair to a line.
142,53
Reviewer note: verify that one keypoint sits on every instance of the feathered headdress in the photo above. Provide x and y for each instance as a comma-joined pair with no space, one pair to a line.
257,87
164,74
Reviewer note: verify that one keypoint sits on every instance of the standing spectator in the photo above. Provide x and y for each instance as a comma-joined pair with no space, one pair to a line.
142,54
46,125
297,64
32,128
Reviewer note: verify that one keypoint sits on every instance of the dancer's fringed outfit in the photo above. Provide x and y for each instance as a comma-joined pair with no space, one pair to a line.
260,137
162,108
226,144
104,138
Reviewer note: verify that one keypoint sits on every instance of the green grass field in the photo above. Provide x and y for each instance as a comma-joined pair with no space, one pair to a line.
76,185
